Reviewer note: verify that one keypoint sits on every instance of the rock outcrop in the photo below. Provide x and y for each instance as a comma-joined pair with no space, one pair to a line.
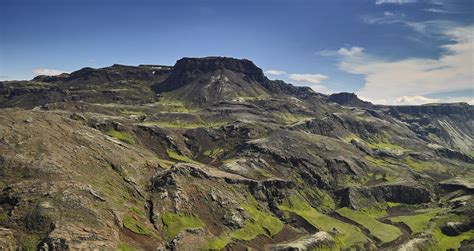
361,197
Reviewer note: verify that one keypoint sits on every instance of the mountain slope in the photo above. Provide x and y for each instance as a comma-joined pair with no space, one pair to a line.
211,154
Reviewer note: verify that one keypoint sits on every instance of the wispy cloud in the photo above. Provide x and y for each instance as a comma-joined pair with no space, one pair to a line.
434,10
48,72
353,51
380,2
308,78
410,80
275,72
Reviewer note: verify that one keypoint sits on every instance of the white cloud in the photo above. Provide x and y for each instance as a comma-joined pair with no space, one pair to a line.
47,72
410,80
275,72
379,2
434,10
326,53
415,100
308,78
353,51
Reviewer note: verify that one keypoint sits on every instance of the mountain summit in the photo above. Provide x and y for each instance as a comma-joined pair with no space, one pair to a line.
211,80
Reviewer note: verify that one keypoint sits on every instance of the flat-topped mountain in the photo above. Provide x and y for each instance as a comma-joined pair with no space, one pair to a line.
211,154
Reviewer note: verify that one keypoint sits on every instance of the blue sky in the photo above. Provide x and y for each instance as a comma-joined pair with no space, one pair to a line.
387,51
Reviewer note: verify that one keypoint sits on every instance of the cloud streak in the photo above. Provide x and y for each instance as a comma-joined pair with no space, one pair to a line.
275,72
47,72
380,2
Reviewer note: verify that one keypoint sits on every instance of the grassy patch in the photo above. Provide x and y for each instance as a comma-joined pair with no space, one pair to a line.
217,243
265,220
171,104
454,242
383,232
214,153
125,247
165,163
137,211
351,137
176,156
379,162
175,223
135,226
122,136
289,118
347,235
260,222
418,222
185,124
430,221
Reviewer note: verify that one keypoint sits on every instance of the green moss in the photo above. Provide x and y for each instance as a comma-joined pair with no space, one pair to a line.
451,242
386,145
135,226
185,124
217,243
378,162
347,235
165,163
393,204
418,222
125,247
263,219
259,223
176,156
3,217
214,152
251,230
175,223
137,211
122,136
384,232
170,104
351,137
289,118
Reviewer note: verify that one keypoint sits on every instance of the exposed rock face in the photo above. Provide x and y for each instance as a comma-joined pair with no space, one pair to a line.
7,239
420,242
319,240
360,197
349,99
456,228
186,70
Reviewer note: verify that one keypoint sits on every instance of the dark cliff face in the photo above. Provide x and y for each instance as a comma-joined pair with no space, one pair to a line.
349,99
188,69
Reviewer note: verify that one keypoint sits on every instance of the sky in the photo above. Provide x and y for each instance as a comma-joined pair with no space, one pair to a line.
386,51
